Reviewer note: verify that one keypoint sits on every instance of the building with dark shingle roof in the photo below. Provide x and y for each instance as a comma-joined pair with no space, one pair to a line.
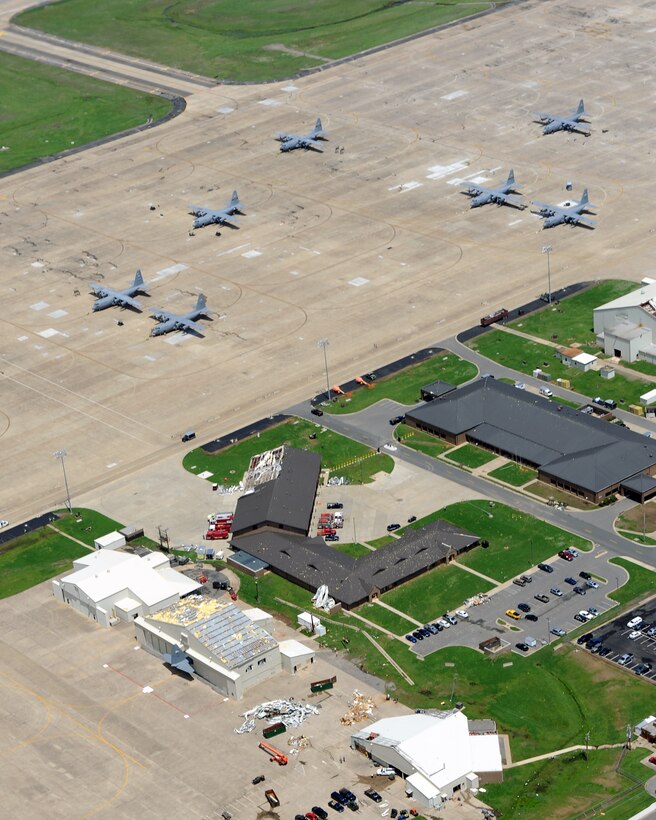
310,562
285,502
571,450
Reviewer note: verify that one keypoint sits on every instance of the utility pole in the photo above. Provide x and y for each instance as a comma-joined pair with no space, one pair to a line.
61,455
587,743
323,343
629,735
547,249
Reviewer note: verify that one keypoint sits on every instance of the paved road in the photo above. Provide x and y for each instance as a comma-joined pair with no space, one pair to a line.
371,427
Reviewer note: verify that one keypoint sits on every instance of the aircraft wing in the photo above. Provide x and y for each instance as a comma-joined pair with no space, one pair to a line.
508,200
128,301
195,210
99,290
544,117
188,325
475,190
163,315
312,144
551,209
584,220
286,137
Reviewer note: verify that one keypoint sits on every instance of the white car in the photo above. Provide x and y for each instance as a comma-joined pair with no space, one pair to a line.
585,614
592,583
573,552
462,614
391,447
3,523
443,623
520,386
635,634
634,622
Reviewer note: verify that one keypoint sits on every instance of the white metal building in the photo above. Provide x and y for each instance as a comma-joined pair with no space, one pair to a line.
436,753
295,655
111,541
626,327
108,585
213,640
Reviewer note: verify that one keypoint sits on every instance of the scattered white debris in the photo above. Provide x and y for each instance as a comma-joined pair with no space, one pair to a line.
289,712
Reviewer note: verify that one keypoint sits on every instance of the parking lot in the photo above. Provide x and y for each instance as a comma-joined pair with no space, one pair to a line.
490,620
616,641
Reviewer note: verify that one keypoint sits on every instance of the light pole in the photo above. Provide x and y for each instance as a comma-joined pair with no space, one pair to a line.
323,343
547,249
61,454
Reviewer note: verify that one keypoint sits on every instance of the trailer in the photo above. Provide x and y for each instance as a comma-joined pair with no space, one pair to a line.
272,797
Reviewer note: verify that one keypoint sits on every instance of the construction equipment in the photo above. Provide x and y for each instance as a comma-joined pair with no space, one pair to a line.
275,755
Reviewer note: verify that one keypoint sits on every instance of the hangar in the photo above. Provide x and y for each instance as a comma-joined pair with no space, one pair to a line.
570,449
439,753
626,327
109,586
211,639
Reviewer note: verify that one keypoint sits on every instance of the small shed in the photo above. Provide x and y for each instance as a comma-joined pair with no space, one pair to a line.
131,532
573,357
436,390
295,655
111,541
311,623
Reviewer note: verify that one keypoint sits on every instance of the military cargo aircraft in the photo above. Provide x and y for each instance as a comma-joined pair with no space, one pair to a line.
186,322
499,195
107,297
568,214
310,141
206,216
575,122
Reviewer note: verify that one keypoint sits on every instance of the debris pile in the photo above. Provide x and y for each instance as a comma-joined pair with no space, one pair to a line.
322,600
289,712
361,708
300,742
477,600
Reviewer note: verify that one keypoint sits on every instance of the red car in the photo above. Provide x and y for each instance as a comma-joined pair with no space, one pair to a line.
566,554
327,531
652,760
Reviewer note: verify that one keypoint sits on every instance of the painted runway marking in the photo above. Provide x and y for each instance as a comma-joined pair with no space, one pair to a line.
225,109
161,274
454,95
40,306
270,102
58,314
440,171
407,186
359,281
251,254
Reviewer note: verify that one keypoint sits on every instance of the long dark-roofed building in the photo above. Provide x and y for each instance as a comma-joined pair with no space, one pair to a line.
570,449
310,562
285,502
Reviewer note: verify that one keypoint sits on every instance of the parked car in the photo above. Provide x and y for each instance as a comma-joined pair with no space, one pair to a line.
412,519
530,617
585,575
526,579
642,669
522,646
626,658
520,385
580,590
348,795
396,420
512,613
392,527
462,614
604,650
566,554
545,567
310,815
593,611
432,629
543,598
571,581
573,552
635,634
519,581
322,813
545,391
438,626
556,591
331,537
316,411
584,638
580,618
335,806
444,623
556,630
592,584
652,760
411,638
651,631
418,635
337,797
335,505
453,621
585,615
634,622
524,607
373,795
4,523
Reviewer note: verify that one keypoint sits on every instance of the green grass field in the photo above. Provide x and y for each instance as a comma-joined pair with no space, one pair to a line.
548,491
571,320
642,581
356,550
46,110
513,474
35,557
517,541
425,598
87,525
405,386
566,785
388,620
363,471
253,40
420,441
524,356
227,466
469,455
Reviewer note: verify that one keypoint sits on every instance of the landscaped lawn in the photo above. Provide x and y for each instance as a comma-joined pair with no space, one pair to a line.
47,109
35,557
363,471
513,474
380,542
517,540
571,320
548,491
425,598
639,539
388,620
525,356
356,550
420,441
85,525
641,582
633,519
250,40
471,456
566,785
405,385
229,464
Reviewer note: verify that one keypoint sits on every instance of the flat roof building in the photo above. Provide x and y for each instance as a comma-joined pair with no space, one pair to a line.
626,327
571,450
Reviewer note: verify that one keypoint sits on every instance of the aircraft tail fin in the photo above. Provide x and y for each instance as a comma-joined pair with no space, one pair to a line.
235,199
138,279
584,197
202,302
581,109
511,177
317,125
